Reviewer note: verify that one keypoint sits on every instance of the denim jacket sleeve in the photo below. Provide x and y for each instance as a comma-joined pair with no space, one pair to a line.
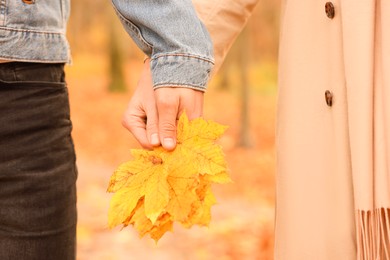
170,32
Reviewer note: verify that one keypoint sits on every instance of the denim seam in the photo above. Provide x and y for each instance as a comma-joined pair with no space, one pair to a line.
30,31
134,28
178,85
20,58
184,55
63,12
2,11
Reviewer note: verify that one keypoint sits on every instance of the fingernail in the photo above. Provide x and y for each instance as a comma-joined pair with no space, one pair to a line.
169,143
154,139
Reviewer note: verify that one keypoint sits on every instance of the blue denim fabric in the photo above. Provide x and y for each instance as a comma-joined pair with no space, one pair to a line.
159,26
34,32
170,32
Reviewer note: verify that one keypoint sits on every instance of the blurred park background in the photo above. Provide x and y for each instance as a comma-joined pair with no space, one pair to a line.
101,80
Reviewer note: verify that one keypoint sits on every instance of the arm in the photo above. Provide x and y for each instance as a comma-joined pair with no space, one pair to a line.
224,19
169,32
180,48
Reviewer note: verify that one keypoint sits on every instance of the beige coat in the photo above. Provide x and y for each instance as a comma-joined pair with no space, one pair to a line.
333,130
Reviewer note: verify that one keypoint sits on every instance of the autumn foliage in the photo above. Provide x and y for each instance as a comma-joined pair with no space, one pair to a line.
157,188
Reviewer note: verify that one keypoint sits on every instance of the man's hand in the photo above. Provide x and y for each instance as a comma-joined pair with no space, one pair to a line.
151,115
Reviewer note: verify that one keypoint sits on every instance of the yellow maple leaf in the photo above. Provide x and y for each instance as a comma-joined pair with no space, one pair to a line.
157,188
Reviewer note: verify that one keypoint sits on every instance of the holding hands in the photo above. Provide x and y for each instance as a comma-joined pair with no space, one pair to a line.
151,114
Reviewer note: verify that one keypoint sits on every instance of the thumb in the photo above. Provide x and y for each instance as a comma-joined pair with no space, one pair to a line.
167,107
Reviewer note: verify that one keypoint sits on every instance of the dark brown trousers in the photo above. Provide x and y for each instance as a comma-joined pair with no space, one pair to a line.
37,164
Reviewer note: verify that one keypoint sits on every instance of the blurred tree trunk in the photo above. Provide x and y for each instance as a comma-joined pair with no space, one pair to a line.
243,63
116,58
225,79
227,68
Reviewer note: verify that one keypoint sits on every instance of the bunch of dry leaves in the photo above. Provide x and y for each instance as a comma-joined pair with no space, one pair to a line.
157,187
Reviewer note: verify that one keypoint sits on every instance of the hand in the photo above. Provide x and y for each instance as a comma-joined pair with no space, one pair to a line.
151,115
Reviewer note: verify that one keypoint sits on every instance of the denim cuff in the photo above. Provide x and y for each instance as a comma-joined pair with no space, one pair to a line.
181,70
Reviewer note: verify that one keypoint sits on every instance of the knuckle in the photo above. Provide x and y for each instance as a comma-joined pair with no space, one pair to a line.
129,124
167,127
166,103
151,126
125,123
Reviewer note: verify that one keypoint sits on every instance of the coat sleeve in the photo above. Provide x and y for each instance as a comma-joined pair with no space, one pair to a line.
170,32
224,19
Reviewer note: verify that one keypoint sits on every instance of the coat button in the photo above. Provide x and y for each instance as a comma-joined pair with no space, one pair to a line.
329,98
29,2
329,10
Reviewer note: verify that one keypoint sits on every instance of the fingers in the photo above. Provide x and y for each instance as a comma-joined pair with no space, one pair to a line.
170,103
143,124
152,114
136,125
152,126
167,103
191,101
140,117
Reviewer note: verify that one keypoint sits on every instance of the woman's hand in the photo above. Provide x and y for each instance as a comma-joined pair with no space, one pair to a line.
151,115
